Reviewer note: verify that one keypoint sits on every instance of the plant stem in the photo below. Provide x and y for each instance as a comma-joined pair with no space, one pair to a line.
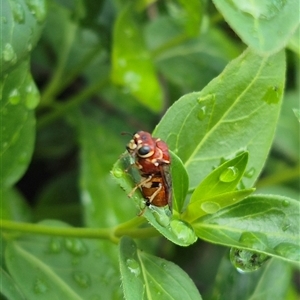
56,80
112,234
61,109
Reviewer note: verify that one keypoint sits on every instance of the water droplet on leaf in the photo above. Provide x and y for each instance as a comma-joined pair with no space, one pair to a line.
206,98
202,113
247,261
288,250
272,95
183,231
82,279
210,207
117,172
32,96
9,54
285,203
133,266
55,245
75,246
40,286
14,97
18,12
254,240
38,9
250,173
161,218
260,9
229,175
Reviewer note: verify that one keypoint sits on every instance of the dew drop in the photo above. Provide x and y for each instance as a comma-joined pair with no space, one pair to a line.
229,175
18,12
161,218
117,172
208,97
14,97
40,286
38,9
133,266
183,231
8,53
288,250
210,207
285,203
75,246
202,113
55,245
286,226
254,240
32,96
82,279
272,95
247,261
250,173
260,9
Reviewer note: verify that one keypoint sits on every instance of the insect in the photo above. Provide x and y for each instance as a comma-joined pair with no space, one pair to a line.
152,158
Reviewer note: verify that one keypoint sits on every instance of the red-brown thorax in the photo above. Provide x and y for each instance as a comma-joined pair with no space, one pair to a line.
149,153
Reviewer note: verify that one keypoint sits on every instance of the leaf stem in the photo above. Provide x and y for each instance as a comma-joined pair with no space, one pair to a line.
72,102
112,234
56,81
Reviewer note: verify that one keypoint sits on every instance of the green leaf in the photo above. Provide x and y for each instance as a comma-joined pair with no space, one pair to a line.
223,179
203,207
180,183
271,286
145,276
294,42
177,231
61,268
13,206
132,64
263,25
104,204
297,113
21,25
8,289
263,223
257,285
19,97
236,111
193,63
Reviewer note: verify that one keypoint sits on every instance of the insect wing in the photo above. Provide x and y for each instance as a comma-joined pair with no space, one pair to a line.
167,180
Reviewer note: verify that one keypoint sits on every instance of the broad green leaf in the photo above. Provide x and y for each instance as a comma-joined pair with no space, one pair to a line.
294,42
263,223
266,26
223,179
177,231
104,205
297,113
19,98
59,199
193,63
132,66
236,111
145,276
271,286
61,268
202,207
287,136
180,183
8,289
13,206
21,25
